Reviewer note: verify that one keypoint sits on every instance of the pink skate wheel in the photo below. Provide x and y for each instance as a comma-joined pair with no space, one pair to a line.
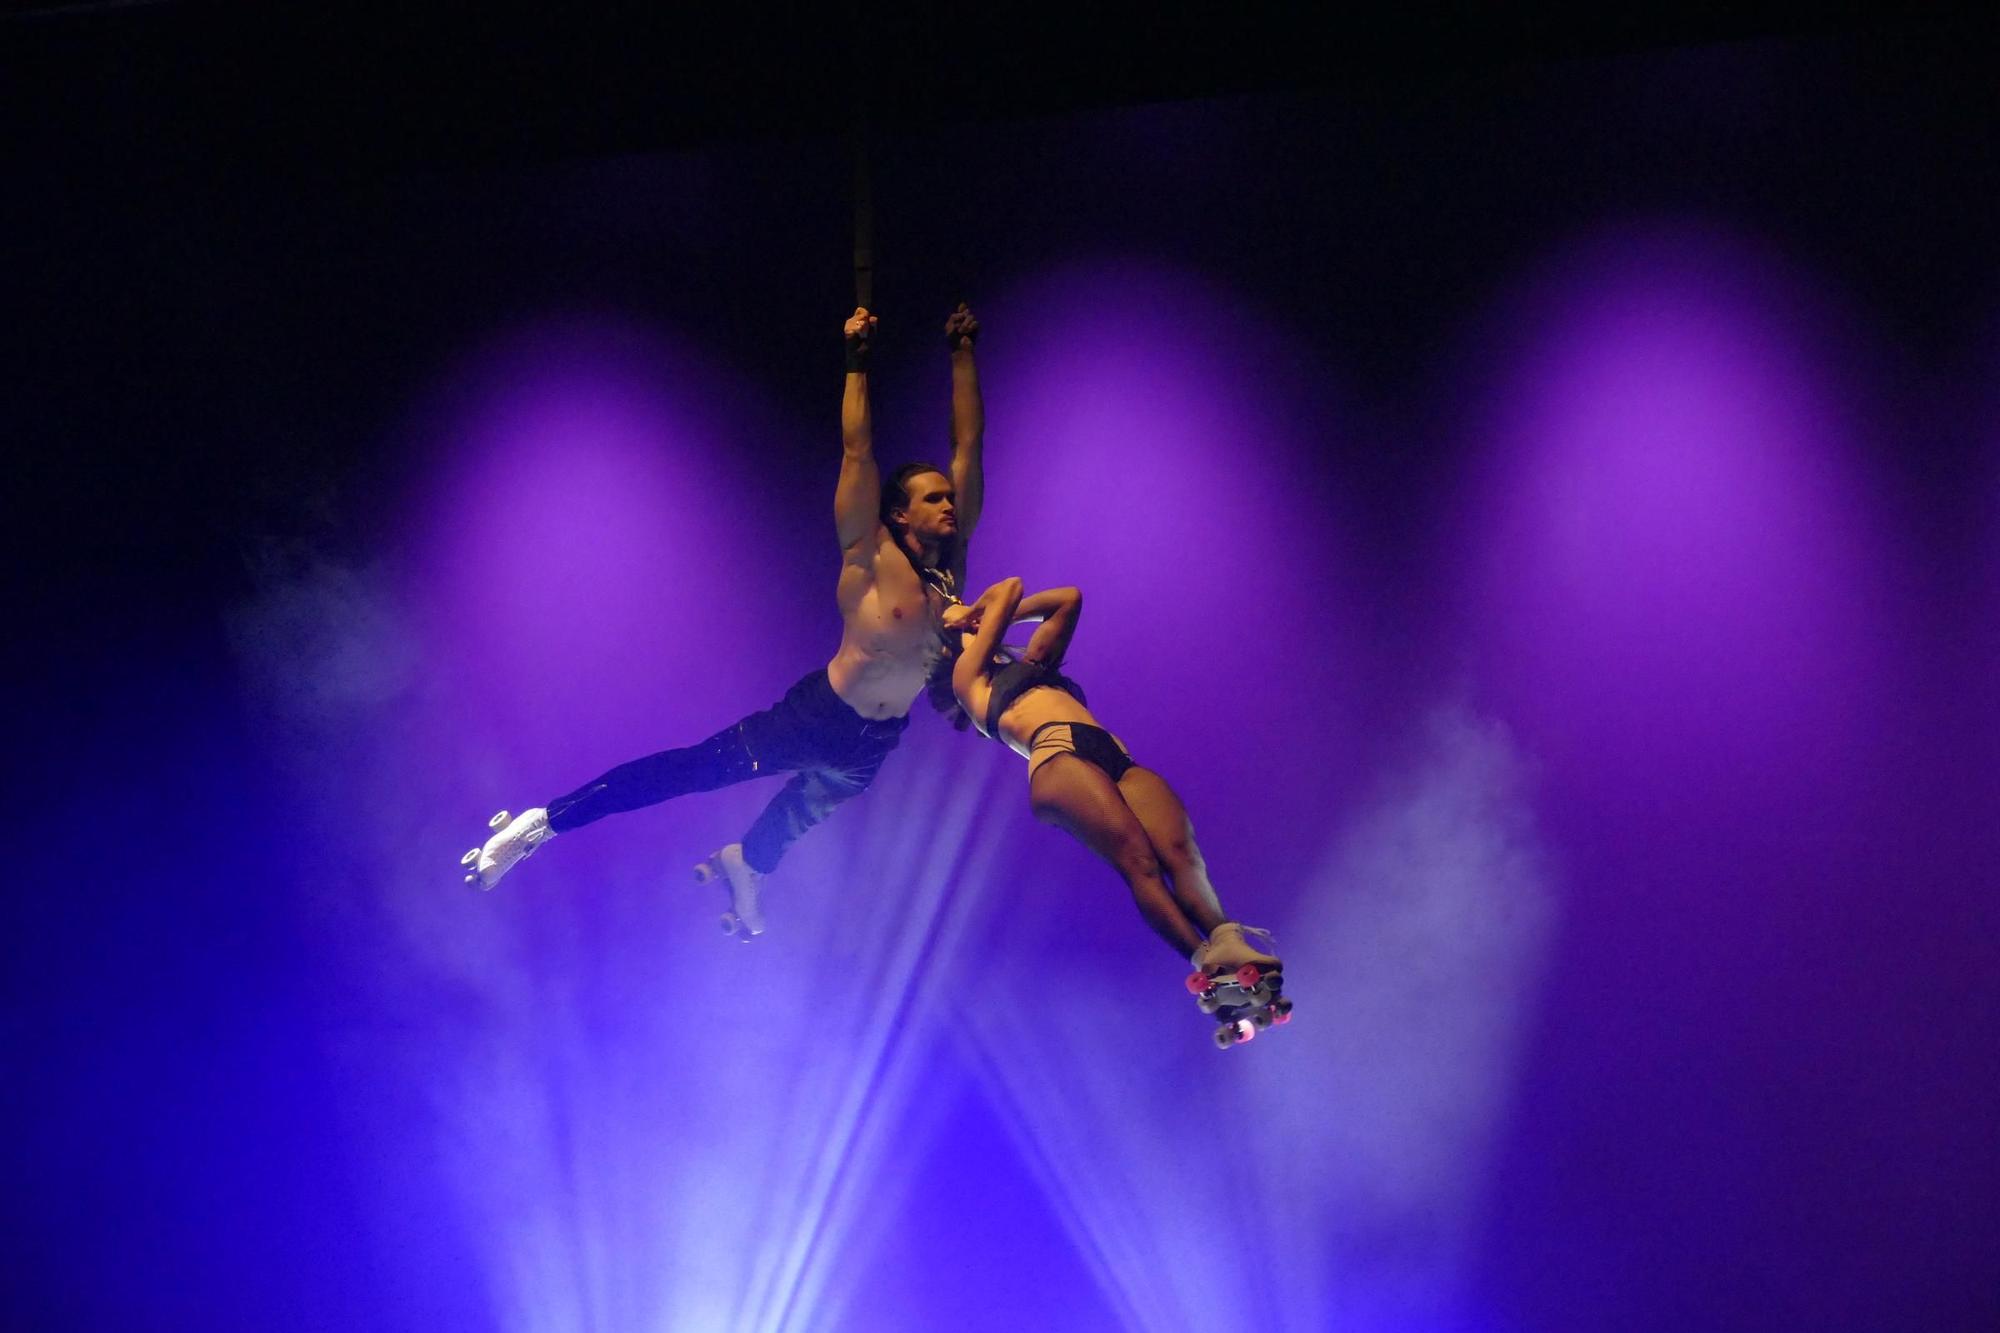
1197,982
1245,1029
1281,1016
1247,976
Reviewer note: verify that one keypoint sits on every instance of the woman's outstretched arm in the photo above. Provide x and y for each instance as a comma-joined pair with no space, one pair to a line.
1059,609
995,609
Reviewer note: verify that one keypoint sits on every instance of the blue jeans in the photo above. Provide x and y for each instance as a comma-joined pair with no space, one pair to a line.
831,751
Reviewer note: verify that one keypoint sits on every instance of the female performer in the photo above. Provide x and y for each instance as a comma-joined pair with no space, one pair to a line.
1080,777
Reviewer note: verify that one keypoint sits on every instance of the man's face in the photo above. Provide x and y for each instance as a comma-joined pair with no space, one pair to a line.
931,513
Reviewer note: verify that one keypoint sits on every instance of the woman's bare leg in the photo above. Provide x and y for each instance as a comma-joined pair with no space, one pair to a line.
1165,820
1079,797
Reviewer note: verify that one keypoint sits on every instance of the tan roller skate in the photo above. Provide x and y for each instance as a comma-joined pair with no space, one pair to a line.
1239,984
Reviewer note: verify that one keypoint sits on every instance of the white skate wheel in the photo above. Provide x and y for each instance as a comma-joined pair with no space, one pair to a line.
469,858
498,821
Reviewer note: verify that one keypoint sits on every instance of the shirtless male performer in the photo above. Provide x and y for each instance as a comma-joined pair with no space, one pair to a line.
902,562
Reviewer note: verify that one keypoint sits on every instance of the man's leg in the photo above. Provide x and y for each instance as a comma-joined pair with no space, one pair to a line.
719,761
810,796
805,801
773,740
778,739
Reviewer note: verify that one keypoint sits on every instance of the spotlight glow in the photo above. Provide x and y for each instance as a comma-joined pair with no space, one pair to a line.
1671,562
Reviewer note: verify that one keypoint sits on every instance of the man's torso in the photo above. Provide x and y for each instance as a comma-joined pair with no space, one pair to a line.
889,629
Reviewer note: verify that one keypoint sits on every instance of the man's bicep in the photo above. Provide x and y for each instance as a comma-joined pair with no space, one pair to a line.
857,498
968,479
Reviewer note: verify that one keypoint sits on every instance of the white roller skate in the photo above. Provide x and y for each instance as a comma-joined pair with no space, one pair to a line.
745,918
514,839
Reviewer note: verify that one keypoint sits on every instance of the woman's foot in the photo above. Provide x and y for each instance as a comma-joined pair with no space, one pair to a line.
1226,950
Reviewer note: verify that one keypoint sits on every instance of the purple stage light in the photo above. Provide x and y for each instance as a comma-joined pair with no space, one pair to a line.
1672,568
652,1126
1159,445
1175,449
580,532
1605,721
1678,590
645,1124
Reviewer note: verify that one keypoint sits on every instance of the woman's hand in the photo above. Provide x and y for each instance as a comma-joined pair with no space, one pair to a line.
959,616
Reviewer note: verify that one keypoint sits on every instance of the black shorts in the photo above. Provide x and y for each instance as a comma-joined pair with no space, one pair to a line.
1084,741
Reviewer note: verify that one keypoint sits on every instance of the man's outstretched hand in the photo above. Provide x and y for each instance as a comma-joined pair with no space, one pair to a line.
860,327
961,328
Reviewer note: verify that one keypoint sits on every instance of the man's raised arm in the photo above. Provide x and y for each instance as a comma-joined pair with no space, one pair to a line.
968,423
857,498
